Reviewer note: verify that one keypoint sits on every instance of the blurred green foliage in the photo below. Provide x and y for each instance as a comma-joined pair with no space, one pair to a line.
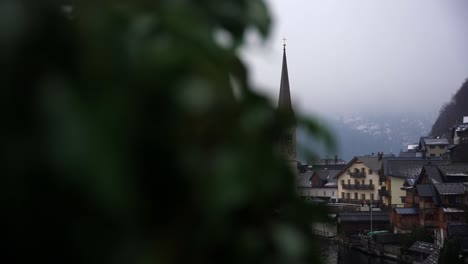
123,140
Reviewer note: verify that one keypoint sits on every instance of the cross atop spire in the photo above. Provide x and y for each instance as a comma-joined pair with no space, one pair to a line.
284,43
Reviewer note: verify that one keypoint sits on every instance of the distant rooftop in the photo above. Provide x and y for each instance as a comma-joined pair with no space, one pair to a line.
435,141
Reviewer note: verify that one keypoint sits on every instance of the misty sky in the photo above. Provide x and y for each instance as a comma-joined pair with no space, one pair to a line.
364,55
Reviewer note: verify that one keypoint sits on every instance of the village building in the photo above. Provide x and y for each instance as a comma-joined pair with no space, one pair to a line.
434,147
396,171
359,180
459,149
320,184
354,223
438,196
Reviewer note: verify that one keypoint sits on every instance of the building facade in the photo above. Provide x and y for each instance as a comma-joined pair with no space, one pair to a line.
359,181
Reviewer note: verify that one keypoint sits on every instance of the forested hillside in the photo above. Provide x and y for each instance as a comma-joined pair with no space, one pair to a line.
452,112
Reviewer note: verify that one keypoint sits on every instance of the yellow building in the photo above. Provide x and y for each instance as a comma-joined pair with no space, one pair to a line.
359,181
396,171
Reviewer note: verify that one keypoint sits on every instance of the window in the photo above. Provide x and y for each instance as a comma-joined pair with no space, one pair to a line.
370,171
324,193
370,182
342,195
342,182
372,197
348,195
363,196
432,147
363,170
355,196
441,146
380,183
356,182
349,181
333,193
363,182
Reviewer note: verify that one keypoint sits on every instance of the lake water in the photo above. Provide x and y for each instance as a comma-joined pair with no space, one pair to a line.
334,253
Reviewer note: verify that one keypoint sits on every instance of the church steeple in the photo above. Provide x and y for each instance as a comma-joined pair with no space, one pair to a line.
287,142
284,99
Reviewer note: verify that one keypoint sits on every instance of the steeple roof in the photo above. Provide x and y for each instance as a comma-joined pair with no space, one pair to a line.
284,100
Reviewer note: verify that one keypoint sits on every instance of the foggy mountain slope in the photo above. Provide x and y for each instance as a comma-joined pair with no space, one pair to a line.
452,112
361,134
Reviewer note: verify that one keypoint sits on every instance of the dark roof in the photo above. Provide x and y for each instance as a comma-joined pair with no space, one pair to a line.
284,99
364,216
407,211
457,230
435,141
454,170
406,167
423,247
326,175
433,173
425,190
450,188
337,167
303,179
428,190
372,162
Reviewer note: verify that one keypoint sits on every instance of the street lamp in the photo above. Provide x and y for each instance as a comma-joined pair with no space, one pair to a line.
370,208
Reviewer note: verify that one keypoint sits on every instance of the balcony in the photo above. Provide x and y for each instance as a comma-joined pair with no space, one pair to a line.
358,186
357,201
357,174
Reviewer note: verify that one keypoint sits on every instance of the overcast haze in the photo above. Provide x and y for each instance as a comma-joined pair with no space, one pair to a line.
364,55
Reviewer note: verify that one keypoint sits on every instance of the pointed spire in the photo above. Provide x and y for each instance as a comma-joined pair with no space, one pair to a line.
284,100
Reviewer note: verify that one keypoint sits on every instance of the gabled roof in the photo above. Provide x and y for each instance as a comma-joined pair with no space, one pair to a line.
432,141
407,211
433,173
428,190
303,179
454,170
372,162
450,188
435,141
407,168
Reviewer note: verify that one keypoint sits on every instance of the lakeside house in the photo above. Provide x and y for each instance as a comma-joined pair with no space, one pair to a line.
435,201
318,184
359,181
